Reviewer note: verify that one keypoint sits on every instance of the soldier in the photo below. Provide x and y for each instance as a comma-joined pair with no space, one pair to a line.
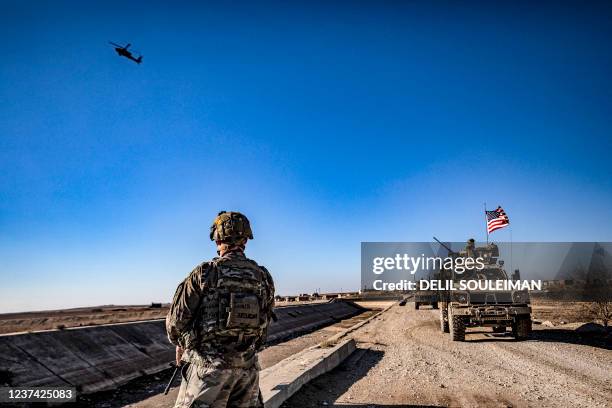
218,321
469,248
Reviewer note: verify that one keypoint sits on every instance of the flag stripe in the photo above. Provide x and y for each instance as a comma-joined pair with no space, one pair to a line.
496,228
496,219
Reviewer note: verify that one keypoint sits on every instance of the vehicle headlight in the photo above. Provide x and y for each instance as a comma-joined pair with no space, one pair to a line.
520,297
461,297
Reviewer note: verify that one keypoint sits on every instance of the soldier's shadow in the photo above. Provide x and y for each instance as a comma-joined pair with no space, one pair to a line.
326,389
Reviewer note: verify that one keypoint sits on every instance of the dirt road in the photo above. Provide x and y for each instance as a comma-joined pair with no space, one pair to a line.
403,360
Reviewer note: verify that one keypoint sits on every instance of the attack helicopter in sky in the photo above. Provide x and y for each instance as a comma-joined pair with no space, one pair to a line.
123,52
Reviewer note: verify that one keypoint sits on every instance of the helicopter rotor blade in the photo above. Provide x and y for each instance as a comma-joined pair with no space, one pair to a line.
127,46
115,44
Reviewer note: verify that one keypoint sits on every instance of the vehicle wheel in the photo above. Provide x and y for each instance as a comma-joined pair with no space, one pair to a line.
457,328
416,305
499,329
521,328
444,320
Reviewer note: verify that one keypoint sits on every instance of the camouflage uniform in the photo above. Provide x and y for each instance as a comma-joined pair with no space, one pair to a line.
469,248
214,387
220,316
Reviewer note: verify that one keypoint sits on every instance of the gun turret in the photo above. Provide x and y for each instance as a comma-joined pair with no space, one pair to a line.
450,251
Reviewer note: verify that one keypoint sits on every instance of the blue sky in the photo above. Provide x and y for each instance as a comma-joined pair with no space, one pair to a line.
327,124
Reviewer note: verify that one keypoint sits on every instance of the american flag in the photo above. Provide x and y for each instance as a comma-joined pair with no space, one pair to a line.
496,219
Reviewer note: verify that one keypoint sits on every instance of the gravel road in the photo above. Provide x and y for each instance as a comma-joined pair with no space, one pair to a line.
404,360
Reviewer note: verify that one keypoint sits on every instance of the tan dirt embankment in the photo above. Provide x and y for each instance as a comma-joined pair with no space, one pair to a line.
57,319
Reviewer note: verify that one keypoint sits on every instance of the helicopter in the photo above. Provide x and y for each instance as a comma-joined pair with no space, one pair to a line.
123,52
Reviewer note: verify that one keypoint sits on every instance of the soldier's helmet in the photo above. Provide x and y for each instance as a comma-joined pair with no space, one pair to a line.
230,226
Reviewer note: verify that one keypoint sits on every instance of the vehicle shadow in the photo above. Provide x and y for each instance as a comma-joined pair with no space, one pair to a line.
326,389
572,337
489,336
548,336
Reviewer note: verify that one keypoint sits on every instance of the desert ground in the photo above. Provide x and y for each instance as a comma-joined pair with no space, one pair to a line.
85,316
554,311
404,360
89,316
560,312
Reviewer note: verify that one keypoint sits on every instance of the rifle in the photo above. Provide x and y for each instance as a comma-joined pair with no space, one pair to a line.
176,371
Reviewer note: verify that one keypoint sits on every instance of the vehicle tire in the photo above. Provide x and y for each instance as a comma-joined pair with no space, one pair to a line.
499,329
521,328
444,320
457,328
529,326
416,305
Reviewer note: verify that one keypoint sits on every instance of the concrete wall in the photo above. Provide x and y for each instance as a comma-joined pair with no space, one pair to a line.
300,318
102,357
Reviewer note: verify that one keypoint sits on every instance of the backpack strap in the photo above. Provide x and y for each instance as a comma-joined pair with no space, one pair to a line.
212,279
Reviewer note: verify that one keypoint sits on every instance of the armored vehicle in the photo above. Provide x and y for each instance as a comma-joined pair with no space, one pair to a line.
460,308
425,297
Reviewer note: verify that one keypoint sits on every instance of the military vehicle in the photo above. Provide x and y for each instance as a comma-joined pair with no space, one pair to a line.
483,308
425,297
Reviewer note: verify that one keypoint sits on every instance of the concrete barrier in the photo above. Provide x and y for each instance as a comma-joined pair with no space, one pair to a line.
279,382
293,320
97,358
